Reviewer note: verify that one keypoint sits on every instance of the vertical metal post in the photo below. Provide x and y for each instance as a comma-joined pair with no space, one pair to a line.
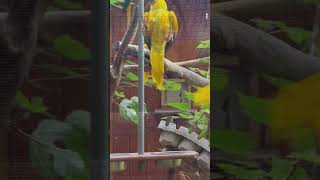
99,93
141,77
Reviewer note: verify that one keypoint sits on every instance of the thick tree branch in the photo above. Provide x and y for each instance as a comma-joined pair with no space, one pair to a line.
260,51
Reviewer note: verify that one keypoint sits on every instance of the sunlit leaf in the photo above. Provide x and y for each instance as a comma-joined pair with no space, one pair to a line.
204,44
171,85
132,77
119,94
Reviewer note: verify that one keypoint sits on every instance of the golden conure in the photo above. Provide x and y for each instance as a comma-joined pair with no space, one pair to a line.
161,26
202,96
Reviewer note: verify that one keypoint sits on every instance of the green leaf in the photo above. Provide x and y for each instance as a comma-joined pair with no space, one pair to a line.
120,94
298,35
79,119
50,131
132,77
241,173
232,141
280,168
117,3
185,115
22,100
204,44
264,25
256,108
278,82
68,5
62,162
189,95
171,85
180,106
71,48
132,115
36,104
218,79
67,163
129,108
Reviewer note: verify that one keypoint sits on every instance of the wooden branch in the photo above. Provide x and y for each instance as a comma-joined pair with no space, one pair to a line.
18,31
170,67
260,51
189,63
119,60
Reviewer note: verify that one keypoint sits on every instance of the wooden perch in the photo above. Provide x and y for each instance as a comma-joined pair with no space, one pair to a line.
165,155
170,67
260,51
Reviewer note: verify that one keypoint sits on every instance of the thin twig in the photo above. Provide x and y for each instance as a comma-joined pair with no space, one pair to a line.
292,170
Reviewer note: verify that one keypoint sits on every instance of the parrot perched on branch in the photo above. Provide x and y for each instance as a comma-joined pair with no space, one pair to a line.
161,26
292,113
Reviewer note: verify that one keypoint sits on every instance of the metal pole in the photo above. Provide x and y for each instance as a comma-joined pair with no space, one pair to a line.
141,77
99,93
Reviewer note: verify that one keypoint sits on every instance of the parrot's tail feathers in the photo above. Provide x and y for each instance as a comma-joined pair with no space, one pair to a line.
157,65
174,22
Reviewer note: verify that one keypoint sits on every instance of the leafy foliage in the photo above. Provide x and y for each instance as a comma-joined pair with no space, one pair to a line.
35,105
71,48
204,44
53,160
297,35
129,109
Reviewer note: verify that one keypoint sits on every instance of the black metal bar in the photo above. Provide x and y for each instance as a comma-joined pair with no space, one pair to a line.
99,93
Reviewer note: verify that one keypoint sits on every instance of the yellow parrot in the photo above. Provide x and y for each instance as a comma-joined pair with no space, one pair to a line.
296,107
161,26
293,113
202,96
